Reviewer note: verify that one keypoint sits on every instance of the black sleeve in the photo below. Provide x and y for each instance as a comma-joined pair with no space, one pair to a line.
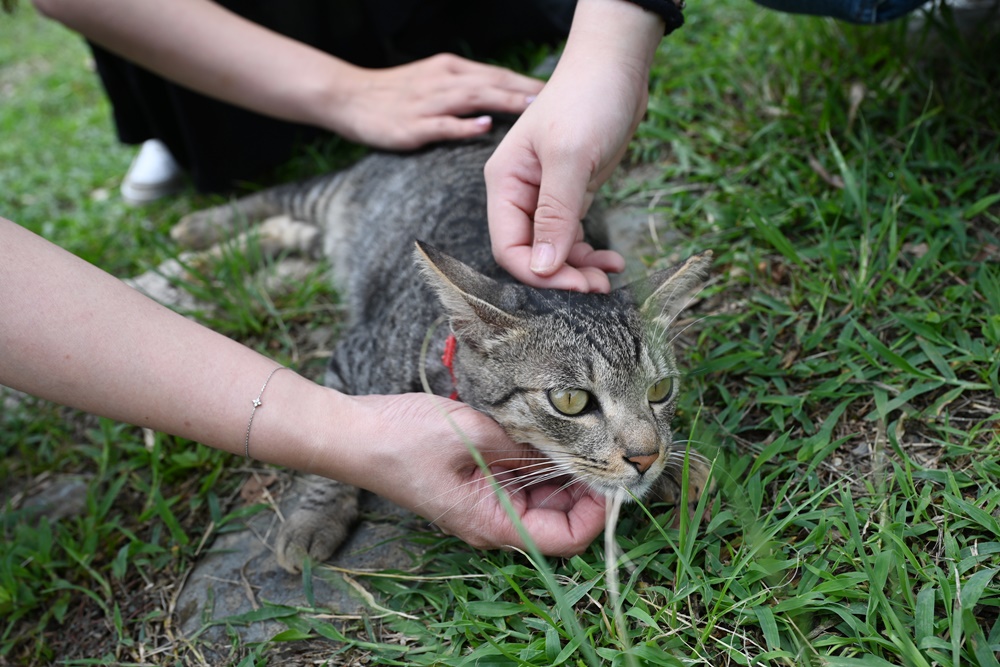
666,9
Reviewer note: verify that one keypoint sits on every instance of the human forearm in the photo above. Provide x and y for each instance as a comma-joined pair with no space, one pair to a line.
205,47
73,334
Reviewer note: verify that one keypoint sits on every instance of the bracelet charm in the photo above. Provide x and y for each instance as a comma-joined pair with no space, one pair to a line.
256,404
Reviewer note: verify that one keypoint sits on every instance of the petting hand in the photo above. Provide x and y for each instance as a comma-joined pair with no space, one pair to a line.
405,107
422,462
542,178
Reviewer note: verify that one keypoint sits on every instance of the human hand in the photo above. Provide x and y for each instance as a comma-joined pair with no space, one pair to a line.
405,107
417,456
543,177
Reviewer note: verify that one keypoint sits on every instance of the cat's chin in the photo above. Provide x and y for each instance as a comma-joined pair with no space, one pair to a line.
628,492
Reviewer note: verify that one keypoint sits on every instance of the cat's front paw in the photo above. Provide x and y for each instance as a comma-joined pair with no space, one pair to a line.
669,486
318,526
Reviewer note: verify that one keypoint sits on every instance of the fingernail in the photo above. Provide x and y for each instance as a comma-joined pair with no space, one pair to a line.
484,120
543,256
529,99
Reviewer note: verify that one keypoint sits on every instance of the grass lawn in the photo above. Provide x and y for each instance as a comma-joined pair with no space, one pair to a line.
843,374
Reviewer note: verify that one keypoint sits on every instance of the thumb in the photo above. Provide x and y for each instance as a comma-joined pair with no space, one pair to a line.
563,200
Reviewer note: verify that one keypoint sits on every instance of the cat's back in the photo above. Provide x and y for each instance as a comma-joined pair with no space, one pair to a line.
384,205
388,201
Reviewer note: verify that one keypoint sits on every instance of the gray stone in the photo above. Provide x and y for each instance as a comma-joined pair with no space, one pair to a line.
240,573
638,231
55,497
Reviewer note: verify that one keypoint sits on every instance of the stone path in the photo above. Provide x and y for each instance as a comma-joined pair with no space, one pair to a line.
240,573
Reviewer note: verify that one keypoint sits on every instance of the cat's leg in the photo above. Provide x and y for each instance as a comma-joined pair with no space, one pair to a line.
328,509
669,487
319,524
301,200
275,236
204,228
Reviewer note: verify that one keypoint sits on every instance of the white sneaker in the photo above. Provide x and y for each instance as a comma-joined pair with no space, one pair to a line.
153,174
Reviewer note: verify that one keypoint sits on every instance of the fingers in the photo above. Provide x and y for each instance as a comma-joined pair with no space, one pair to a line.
535,215
441,117
562,203
583,255
511,235
558,532
463,97
405,107
442,128
489,75
512,175
567,277
456,86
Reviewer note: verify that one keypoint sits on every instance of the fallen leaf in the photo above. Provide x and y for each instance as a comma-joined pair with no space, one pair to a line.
254,488
855,97
830,179
988,253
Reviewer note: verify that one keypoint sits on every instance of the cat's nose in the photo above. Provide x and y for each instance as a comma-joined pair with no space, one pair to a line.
642,462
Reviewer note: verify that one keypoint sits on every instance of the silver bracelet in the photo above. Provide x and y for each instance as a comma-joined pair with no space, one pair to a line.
257,404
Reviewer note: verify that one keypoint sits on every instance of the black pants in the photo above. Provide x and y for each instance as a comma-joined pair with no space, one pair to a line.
221,145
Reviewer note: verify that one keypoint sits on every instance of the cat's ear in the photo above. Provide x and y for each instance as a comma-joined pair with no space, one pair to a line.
468,296
665,293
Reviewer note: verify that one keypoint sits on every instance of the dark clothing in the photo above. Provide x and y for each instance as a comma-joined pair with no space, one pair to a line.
854,11
221,145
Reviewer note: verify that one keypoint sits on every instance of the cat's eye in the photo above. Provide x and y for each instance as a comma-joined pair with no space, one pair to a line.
660,391
569,401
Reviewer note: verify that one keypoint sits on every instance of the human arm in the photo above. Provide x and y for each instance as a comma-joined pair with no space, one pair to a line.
75,335
543,177
203,46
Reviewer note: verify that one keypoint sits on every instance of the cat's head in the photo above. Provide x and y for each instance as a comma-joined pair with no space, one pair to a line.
588,379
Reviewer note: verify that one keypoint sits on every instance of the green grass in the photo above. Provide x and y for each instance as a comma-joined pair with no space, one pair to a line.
845,378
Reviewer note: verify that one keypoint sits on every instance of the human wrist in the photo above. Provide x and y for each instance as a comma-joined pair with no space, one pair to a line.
299,425
328,93
618,31
670,11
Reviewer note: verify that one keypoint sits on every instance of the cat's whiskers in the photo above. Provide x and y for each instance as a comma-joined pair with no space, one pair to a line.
678,466
586,472
485,493
555,470
688,441
479,480
560,468
693,322
522,484
679,455
536,474
577,480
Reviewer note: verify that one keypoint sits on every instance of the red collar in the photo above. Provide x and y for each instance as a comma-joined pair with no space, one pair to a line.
448,359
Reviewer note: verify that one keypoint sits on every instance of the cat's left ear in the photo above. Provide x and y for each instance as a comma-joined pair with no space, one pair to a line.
665,293
468,296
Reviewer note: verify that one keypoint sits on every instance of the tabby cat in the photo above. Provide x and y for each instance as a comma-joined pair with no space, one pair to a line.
588,379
